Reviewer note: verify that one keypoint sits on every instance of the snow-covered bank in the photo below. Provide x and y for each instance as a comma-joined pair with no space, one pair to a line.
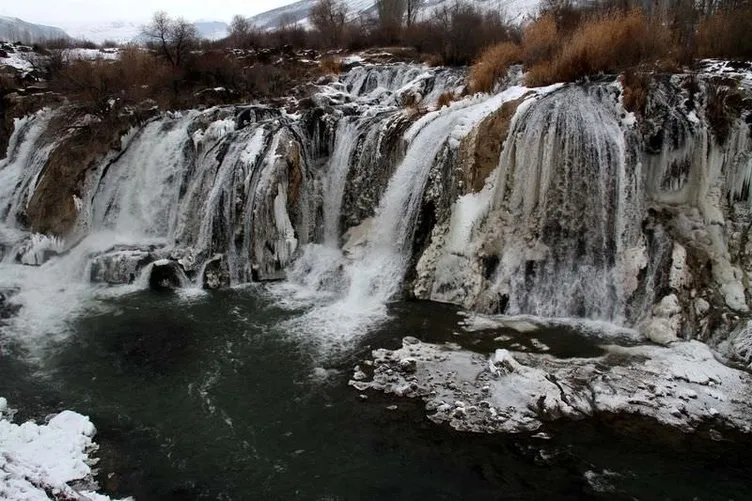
682,386
50,461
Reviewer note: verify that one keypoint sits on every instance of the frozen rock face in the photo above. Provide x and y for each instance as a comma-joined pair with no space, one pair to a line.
251,183
593,213
166,275
682,386
554,202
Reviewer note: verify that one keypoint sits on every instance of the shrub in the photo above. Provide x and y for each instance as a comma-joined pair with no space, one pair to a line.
636,87
540,40
605,43
445,99
492,66
330,65
726,34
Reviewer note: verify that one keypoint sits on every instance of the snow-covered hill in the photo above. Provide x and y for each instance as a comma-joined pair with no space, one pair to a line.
128,31
514,10
13,29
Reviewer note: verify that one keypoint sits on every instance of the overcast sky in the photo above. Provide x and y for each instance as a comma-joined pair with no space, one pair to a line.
66,12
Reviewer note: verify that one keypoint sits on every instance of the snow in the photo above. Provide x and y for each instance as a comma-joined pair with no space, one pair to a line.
91,54
732,69
37,458
515,11
682,386
17,61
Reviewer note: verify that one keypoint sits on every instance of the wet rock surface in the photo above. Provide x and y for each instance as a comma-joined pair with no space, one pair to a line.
166,275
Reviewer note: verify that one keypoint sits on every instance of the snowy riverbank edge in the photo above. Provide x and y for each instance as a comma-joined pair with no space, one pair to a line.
49,460
682,386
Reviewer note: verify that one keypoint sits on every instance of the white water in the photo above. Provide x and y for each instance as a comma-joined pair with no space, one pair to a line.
139,194
339,166
193,186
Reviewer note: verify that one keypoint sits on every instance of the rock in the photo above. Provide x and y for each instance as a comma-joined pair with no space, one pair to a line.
166,275
671,385
502,363
701,307
8,309
216,273
408,365
38,249
665,325
120,265
52,209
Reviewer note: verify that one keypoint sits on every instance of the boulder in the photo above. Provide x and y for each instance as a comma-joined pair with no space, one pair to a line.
166,275
216,274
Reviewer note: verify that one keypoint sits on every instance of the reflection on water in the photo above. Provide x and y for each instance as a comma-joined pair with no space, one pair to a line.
209,397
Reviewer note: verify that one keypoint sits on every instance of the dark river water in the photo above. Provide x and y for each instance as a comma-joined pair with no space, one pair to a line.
212,397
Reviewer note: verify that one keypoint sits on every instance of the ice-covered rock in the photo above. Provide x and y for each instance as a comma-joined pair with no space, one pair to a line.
166,275
681,386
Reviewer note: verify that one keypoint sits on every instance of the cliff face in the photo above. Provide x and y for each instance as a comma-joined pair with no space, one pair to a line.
595,213
554,202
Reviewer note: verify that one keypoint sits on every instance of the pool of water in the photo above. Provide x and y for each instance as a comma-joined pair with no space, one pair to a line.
212,396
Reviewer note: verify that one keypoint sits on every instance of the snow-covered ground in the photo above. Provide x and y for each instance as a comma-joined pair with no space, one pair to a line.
124,31
37,460
739,70
18,61
91,54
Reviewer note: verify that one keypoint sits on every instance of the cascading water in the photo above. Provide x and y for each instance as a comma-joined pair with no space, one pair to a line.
561,183
339,166
234,195
556,221
139,192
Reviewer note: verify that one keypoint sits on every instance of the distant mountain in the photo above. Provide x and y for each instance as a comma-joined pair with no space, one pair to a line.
13,29
117,31
298,12
211,30
130,31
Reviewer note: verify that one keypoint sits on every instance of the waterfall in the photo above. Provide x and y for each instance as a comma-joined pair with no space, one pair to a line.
139,192
339,166
27,154
560,182
377,275
327,199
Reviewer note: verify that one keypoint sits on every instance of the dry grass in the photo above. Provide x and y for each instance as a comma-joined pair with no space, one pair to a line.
607,43
433,60
445,99
726,34
330,65
636,87
541,40
492,66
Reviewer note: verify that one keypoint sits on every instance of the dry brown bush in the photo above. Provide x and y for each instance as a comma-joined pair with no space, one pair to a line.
492,66
726,34
636,87
445,99
540,40
605,43
331,65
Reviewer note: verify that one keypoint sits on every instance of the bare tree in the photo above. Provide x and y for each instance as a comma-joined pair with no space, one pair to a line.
174,38
412,8
391,13
329,18
241,32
